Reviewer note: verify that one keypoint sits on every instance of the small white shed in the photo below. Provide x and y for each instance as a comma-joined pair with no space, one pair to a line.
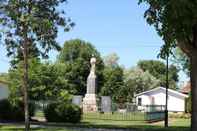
4,91
157,96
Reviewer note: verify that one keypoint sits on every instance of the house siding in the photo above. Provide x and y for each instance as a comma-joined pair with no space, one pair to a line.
4,92
176,102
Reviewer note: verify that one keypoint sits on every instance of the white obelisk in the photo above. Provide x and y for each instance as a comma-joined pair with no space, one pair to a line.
89,101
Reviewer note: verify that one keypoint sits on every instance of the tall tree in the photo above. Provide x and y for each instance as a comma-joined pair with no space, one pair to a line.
176,22
182,60
158,69
46,81
113,77
18,57
136,81
111,59
113,82
30,23
76,55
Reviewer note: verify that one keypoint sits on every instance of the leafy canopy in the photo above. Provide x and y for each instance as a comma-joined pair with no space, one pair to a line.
113,77
35,22
113,82
76,56
136,81
46,81
158,70
175,21
111,60
182,61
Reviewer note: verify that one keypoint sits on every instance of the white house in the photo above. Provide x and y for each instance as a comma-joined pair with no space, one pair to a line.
4,91
156,96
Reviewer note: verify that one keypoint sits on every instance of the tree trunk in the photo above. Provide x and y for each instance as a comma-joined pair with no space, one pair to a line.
193,74
25,85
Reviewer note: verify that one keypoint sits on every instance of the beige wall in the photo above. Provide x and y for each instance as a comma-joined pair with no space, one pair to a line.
4,92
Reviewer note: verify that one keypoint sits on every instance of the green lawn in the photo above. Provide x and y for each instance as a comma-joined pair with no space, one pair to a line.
137,116
117,120
138,124
19,128
175,125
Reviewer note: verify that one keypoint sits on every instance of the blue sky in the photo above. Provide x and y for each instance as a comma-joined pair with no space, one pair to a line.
111,26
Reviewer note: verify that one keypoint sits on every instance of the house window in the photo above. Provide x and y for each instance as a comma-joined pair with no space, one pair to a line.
152,100
139,101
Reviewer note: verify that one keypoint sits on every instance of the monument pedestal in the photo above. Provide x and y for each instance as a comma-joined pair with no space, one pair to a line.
89,103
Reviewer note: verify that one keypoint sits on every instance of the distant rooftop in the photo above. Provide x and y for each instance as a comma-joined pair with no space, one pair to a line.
186,88
164,89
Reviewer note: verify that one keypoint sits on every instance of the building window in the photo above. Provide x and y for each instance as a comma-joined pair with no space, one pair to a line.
152,100
139,101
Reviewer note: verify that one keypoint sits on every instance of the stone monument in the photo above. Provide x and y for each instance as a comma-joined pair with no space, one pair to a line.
106,104
89,101
77,100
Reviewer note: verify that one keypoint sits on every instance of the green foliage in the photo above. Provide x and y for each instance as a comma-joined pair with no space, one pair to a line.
180,115
113,78
188,103
175,21
46,81
76,56
62,112
30,25
158,70
137,81
111,60
113,82
32,22
4,77
182,60
13,112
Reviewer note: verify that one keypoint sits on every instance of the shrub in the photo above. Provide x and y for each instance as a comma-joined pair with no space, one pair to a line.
59,112
188,104
50,113
180,115
9,112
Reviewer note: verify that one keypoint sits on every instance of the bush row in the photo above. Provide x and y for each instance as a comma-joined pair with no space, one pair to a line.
54,112
10,112
180,115
61,112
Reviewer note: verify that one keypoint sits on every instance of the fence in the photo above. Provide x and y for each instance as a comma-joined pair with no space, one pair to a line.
129,112
155,113
119,112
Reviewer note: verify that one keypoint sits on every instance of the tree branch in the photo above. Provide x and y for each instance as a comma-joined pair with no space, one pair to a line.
185,47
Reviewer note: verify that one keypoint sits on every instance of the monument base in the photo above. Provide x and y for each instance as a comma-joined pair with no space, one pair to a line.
89,103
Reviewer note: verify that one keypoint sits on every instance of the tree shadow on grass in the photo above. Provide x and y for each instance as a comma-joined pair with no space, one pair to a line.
140,127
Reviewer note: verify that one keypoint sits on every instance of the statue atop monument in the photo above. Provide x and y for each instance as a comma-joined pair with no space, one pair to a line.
93,64
91,81
89,101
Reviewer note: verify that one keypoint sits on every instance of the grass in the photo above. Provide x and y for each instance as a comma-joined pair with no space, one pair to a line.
137,116
39,113
108,121
138,124
19,128
174,125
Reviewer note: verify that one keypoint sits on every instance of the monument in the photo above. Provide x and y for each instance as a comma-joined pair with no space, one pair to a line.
89,101
106,104
77,100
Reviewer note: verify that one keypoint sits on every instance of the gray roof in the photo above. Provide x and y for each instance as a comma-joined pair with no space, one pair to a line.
162,88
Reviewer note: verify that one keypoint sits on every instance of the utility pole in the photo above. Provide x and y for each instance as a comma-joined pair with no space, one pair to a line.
167,86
